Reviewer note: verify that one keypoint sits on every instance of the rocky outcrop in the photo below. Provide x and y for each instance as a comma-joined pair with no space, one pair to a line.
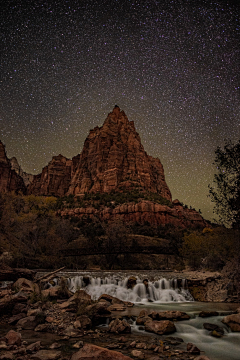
54,179
142,212
9,179
27,178
113,158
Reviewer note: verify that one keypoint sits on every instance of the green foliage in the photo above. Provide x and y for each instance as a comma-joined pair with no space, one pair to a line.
209,249
225,193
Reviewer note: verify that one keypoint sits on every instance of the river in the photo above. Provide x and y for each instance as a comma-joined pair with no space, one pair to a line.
161,292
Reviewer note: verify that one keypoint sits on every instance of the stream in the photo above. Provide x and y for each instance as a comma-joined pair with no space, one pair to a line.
162,292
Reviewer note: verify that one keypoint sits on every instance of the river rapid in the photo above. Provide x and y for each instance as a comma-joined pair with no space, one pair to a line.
161,291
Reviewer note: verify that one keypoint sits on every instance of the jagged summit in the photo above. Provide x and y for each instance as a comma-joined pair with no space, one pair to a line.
113,158
9,179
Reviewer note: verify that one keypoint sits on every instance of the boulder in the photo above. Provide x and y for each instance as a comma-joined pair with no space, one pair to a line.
85,322
160,327
132,281
79,299
204,314
28,323
14,338
233,321
114,300
193,349
169,315
215,329
14,319
93,352
27,286
118,326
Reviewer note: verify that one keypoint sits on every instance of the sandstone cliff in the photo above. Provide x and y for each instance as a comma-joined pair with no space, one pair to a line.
142,212
54,179
113,158
27,178
9,179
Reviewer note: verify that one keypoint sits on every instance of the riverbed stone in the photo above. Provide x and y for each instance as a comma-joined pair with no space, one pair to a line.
93,352
85,322
118,326
233,321
169,315
160,327
213,327
193,349
26,286
204,314
7,356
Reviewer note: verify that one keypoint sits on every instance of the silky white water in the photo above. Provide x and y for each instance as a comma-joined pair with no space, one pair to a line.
159,291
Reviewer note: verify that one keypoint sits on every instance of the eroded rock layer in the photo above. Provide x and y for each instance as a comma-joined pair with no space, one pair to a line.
54,179
144,212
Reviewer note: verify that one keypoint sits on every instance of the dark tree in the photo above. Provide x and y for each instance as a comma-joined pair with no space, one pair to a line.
225,192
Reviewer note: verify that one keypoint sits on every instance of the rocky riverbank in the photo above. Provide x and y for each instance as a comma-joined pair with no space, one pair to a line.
56,324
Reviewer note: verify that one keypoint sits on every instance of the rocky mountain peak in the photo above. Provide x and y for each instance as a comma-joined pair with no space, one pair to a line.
3,156
113,158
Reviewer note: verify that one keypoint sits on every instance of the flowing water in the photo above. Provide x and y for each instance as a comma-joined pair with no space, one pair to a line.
165,294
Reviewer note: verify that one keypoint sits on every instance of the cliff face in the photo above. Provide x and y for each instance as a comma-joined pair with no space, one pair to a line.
142,212
54,179
27,178
9,179
113,158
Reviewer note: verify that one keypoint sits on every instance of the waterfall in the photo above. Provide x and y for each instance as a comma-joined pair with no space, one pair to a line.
158,291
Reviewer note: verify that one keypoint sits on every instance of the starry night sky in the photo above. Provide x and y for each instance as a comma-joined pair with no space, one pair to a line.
172,66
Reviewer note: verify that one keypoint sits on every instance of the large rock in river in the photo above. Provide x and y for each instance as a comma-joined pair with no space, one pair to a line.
233,321
160,327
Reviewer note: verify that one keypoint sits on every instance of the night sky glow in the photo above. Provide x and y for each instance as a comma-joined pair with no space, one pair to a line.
172,66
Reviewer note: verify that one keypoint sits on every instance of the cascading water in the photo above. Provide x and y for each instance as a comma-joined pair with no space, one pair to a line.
159,291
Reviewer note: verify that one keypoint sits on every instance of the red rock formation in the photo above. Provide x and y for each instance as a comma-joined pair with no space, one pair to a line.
54,179
142,212
9,179
113,158
27,178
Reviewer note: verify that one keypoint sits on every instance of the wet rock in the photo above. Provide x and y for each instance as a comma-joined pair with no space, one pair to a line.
204,314
117,307
214,328
160,327
79,299
138,354
113,300
14,338
132,281
33,347
118,326
169,315
193,349
46,355
233,321
142,317
93,352
98,312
